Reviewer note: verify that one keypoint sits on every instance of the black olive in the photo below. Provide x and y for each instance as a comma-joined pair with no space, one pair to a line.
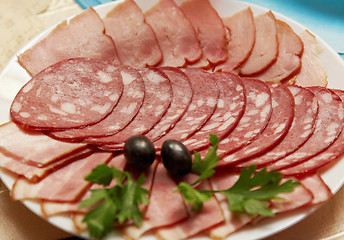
139,152
176,158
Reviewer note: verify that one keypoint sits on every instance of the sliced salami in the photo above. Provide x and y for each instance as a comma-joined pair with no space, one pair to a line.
253,122
281,118
71,93
328,126
126,109
157,99
229,110
306,112
204,101
182,96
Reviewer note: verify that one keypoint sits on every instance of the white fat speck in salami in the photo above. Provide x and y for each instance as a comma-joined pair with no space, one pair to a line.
126,109
321,138
230,108
280,121
69,94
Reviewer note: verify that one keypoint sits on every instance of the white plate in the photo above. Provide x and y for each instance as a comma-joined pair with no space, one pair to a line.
14,77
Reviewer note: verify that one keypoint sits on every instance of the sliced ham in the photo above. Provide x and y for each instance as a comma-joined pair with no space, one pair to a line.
175,34
135,40
209,29
265,49
82,36
315,184
290,49
241,36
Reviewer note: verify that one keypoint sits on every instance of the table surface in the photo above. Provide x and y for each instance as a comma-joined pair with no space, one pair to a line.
17,27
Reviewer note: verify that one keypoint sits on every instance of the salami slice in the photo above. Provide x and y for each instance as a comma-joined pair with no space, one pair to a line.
182,96
253,122
278,126
306,112
328,126
204,101
71,93
333,152
229,110
126,109
156,102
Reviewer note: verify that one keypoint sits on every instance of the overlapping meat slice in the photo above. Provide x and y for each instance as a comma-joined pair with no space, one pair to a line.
328,127
156,102
265,49
306,112
230,108
316,185
209,29
278,126
126,109
71,93
202,106
82,36
135,40
175,34
241,36
290,49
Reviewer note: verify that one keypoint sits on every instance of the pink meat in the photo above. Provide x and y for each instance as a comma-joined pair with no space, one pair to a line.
155,104
135,40
319,189
229,110
241,36
71,93
278,126
204,101
181,98
305,114
209,29
82,36
328,127
265,50
126,109
54,187
175,34
288,62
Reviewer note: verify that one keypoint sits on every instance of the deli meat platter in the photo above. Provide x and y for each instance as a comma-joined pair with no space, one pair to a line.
167,83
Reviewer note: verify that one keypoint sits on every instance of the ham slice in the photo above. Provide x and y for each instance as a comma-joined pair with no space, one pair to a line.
265,50
315,184
175,34
135,40
82,36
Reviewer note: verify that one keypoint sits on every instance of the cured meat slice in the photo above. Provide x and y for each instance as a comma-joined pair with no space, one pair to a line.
135,40
126,109
155,104
253,122
265,50
333,152
305,115
157,214
328,126
175,34
312,72
241,36
290,49
229,110
204,101
82,36
182,95
71,93
281,118
315,184
209,29
66,184
34,148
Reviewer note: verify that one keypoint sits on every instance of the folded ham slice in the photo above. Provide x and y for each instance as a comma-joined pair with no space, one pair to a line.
82,36
315,184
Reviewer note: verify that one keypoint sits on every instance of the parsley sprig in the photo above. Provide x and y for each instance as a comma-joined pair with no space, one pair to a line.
119,203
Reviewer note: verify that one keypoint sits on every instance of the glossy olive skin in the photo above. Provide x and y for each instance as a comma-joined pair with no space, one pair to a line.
176,158
139,152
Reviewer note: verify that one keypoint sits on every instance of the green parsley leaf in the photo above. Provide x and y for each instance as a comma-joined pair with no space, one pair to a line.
192,196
